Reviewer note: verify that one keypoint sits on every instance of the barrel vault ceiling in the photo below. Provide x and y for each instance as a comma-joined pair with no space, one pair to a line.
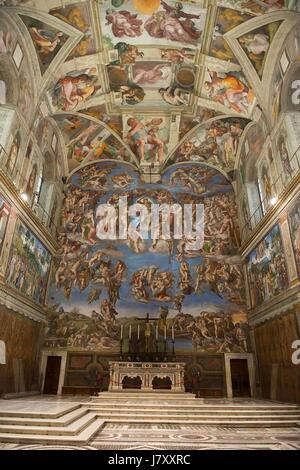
189,76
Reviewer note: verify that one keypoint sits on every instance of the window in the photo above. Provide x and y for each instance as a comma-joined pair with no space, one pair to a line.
39,187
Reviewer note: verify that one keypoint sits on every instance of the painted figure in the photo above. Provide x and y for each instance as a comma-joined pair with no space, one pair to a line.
128,53
76,17
255,43
173,96
158,73
229,91
178,56
73,89
173,24
123,23
144,132
131,94
47,41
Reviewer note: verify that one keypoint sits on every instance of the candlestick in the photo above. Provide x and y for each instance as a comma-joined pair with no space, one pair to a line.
165,332
129,331
138,333
173,333
156,331
121,332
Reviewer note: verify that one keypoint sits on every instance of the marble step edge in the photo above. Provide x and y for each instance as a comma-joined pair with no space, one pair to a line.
175,395
69,419
244,414
40,414
121,397
188,418
82,438
59,422
73,429
219,422
66,415
194,406
132,391
78,426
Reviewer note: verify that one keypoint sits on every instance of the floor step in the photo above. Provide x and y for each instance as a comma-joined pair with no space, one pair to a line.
207,414
82,438
76,423
191,408
150,399
13,411
64,420
218,422
141,395
72,429
178,415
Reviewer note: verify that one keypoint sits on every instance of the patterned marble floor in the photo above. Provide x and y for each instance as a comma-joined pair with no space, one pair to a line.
115,436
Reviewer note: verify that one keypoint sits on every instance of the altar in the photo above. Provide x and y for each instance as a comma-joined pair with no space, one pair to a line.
146,376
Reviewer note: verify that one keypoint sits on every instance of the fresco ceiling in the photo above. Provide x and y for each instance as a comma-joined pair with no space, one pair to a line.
151,82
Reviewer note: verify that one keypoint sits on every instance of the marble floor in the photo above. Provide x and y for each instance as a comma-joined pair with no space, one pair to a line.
116,436
143,436
190,437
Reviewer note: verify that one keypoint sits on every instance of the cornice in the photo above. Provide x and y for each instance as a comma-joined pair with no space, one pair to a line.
12,195
20,304
275,307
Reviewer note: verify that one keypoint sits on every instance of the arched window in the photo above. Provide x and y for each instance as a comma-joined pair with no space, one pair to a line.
254,192
250,182
46,191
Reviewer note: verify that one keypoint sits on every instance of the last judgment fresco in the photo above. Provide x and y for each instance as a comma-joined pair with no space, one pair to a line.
102,287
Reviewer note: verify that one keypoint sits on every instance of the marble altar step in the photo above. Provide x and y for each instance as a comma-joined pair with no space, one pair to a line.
64,420
67,424
217,422
37,411
197,412
194,405
35,437
146,394
174,416
71,429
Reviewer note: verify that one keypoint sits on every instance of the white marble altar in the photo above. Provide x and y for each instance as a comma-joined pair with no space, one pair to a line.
147,371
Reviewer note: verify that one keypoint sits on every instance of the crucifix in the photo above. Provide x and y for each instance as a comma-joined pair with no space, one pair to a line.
147,332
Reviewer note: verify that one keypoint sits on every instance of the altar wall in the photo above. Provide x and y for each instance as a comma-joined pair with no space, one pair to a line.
89,372
100,288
